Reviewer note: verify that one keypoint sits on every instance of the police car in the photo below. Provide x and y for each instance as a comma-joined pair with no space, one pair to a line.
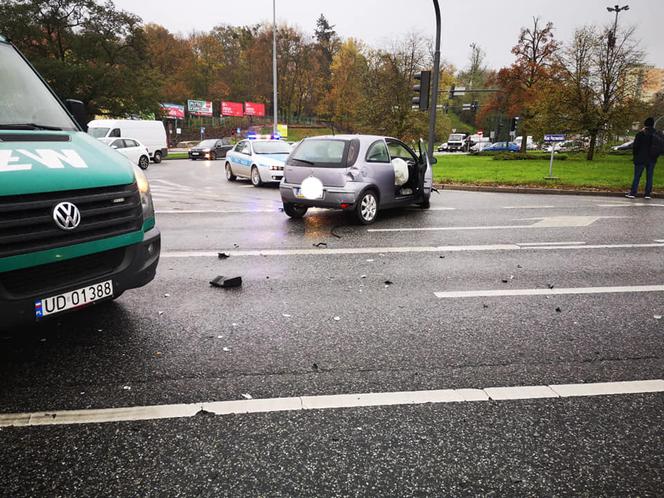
260,160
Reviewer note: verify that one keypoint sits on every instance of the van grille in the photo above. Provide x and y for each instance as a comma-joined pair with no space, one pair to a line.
46,278
26,221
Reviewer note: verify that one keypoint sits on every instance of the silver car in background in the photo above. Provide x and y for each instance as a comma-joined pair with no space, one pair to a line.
358,173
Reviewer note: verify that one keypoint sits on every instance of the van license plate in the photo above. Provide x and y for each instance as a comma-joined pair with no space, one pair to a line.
73,299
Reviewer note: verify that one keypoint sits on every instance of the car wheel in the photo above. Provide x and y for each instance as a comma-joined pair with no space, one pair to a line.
229,173
256,177
426,203
143,162
192,158
213,156
367,208
157,157
294,211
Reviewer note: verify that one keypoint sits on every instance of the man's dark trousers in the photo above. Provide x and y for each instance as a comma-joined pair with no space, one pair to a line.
649,166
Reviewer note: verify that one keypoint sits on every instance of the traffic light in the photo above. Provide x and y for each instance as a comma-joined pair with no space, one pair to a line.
474,105
451,96
421,99
514,123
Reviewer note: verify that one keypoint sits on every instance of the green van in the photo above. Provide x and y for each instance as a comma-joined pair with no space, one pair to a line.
77,222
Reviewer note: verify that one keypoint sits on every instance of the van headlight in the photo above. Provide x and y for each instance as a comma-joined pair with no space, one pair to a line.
144,190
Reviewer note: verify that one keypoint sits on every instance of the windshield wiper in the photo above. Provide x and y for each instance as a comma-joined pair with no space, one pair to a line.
303,161
28,126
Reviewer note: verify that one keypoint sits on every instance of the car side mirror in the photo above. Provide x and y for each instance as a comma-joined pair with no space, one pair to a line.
114,146
77,109
433,160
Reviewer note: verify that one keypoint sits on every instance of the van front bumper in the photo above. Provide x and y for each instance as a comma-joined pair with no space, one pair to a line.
137,265
332,197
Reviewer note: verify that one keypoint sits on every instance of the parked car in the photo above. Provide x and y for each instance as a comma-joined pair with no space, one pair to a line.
626,146
151,133
357,173
443,147
530,145
132,149
457,142
209,149
260,160
502,147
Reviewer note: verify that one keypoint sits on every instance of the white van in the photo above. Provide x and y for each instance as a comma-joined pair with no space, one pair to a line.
152,134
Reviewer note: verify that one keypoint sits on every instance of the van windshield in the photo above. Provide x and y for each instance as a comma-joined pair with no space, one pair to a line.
328,153
98,132
25,102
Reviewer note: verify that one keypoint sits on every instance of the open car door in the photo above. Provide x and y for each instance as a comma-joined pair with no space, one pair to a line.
424,165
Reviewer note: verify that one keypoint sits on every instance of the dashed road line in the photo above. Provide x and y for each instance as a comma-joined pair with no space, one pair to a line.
532,244
549,292
531,207
302,403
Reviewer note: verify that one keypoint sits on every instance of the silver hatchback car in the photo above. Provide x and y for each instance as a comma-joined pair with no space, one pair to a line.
358,173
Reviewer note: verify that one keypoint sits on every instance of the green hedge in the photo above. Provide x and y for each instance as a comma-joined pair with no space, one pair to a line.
518,156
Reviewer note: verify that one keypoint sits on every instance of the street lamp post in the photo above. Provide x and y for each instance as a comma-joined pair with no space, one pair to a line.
274,65
612,36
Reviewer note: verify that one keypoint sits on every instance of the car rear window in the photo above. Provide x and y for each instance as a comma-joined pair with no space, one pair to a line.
325,153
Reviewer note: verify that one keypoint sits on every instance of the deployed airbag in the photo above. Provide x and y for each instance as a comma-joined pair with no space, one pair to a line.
400,171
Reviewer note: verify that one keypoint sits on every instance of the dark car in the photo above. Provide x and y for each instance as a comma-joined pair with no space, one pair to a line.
626,146
502,147
209,149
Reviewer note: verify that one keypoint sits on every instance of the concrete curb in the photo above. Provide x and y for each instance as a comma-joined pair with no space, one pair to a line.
527,190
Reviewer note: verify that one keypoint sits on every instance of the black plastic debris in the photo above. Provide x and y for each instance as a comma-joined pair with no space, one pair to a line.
558,310
551,286
388,282
226,282
441,257
315,366
223,255
236,246
320,244
519,266
485,306
505,280
333,233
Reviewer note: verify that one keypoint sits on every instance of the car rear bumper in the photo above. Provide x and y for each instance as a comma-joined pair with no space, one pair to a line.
136,267
332,197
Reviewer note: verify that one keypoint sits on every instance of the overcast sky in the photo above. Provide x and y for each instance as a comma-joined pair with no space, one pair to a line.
493,24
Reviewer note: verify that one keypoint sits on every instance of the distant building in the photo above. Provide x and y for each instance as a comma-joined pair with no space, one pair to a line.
650,82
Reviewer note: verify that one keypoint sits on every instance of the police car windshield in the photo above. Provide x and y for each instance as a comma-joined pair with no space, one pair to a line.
25,102
273,147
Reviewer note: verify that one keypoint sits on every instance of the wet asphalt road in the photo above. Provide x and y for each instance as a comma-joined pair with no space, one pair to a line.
180,341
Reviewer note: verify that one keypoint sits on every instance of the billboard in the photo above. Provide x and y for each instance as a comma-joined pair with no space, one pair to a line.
175,111
199,107
231,109
282,129
254,109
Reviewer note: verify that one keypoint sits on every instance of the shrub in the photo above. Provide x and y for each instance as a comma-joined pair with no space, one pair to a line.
518,156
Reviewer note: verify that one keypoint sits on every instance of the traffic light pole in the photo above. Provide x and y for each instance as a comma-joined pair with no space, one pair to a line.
434,90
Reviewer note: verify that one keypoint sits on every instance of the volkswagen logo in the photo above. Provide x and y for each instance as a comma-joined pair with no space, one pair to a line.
66,216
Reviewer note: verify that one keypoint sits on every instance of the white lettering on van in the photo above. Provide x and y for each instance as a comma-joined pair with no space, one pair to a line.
54,158
6,157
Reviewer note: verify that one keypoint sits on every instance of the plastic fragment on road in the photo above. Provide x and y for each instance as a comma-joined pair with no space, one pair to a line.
226,282
223,255
558,309
126,388
551,286
320,244
247,396
226,350
167,295
337,318
286,315
363,276
370,260
657,317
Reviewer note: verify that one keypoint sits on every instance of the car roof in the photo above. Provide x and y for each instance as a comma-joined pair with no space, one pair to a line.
362,138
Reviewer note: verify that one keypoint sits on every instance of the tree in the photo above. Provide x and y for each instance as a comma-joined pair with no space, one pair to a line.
597,83
86,51
172,58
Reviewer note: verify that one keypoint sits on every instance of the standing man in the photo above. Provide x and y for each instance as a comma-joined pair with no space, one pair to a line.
648,145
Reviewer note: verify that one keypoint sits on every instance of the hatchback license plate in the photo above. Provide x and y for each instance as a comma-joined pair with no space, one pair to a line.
73,299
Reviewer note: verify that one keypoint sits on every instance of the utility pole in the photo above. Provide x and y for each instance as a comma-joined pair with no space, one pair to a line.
274,65
612,36
434,88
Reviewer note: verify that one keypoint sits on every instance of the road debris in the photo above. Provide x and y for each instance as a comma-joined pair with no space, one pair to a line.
247,396
226,350
167,295
551,286
223,255
363,276
370,260
388,283
441,257
126,388
333,233
337,318
286,315
558,310
657,317
315,366
320,244
485,306
226,282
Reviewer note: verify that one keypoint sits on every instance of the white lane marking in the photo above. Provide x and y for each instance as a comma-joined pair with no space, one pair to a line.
530,207
550,292
208,211
631,204
526,244
659,240
546,222
300,403
407,249
172,184
439,208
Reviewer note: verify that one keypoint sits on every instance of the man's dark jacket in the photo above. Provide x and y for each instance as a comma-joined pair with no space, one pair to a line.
642,149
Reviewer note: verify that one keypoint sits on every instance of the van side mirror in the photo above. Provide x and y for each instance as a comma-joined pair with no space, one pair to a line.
77,109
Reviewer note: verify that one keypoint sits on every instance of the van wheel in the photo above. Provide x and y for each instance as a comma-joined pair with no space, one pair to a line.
229,173
367,208
144,162
256,177
157,157
295,211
